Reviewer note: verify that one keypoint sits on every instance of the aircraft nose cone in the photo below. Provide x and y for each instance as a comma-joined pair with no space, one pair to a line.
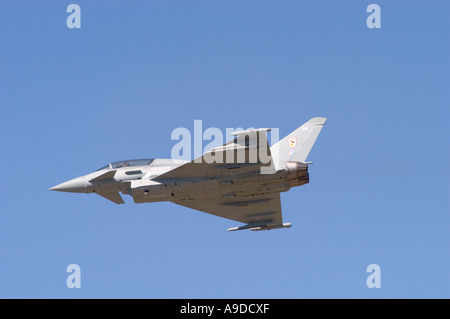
75,185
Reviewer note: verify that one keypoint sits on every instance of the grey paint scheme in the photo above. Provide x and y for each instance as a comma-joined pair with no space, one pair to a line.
240,180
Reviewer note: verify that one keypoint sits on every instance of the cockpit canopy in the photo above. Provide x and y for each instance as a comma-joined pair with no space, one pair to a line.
128,163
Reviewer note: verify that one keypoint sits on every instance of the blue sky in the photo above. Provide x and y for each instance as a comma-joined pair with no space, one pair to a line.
73,100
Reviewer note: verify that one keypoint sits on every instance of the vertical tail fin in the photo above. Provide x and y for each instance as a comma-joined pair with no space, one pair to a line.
297,145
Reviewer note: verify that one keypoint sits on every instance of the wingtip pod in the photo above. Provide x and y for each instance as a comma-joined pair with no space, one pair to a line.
263,227
284,225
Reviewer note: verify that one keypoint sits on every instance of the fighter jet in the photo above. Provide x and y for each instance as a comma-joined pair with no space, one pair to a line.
240,180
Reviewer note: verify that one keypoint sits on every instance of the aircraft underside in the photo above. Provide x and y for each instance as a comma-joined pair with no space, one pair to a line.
240,180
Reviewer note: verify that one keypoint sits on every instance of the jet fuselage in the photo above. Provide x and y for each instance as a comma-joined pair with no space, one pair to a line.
142,183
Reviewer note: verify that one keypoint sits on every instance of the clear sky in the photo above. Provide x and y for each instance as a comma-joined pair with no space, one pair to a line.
73,100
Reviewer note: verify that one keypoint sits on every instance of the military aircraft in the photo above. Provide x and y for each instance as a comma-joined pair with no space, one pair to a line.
240,180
